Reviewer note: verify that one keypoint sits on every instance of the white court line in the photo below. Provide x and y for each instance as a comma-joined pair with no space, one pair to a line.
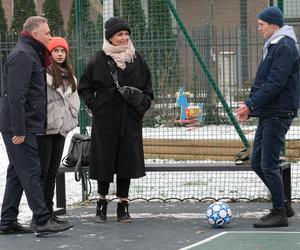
204,241
234,232
262,232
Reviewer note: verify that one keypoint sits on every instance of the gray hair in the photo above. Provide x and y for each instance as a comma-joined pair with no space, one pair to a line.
33,22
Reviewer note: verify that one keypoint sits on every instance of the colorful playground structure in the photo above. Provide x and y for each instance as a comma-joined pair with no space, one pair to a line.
190,114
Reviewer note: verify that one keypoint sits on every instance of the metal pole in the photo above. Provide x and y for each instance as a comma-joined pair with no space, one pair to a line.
208,74
244,40
82,113
108,11
280,4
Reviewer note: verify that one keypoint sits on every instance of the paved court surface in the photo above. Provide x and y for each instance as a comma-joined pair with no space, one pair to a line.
157,226
273,240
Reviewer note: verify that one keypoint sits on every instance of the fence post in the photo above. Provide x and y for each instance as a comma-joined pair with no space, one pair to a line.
280,4
82,113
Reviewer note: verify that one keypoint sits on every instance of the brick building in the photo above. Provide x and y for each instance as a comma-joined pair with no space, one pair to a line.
65,7
194,13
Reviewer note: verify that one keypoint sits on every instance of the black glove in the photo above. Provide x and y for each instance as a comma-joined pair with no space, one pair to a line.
145,105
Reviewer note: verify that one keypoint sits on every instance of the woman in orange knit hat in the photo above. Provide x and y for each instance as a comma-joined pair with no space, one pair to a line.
62,116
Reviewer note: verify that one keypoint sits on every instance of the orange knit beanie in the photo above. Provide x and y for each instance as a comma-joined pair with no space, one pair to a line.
57,41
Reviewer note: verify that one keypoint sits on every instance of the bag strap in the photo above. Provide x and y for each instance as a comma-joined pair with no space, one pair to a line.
77,171
64,162
243,157
113,72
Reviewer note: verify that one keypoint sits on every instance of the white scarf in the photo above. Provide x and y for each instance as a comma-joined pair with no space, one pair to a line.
121,54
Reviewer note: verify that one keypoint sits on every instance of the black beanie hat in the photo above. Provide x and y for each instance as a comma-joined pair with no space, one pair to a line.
114,25
272,15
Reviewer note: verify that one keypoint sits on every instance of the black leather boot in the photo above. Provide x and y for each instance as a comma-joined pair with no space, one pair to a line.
123,213
289,211
101,211
277,218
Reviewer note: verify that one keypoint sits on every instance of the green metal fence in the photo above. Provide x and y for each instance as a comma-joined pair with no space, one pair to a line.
206,52
207,49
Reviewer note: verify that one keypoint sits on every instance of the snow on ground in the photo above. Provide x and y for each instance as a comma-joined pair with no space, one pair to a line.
208,132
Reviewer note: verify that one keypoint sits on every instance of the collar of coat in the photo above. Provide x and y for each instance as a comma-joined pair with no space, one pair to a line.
43,53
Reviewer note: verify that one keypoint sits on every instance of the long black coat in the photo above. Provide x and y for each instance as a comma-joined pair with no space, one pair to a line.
116,137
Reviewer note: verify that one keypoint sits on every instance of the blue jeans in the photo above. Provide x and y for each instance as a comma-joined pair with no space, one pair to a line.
268,143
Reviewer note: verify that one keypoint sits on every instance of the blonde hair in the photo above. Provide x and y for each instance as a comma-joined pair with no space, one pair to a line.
33,22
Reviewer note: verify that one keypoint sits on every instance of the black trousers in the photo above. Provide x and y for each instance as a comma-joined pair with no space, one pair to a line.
122,187
23,173
50,152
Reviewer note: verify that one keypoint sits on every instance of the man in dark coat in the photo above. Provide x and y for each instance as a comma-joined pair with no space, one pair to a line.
22,116
274,98
116,138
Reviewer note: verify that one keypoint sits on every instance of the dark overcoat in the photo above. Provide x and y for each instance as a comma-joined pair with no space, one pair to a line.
23,106
116,137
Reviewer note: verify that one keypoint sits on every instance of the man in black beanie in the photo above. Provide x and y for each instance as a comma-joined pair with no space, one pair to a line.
272,15
274,99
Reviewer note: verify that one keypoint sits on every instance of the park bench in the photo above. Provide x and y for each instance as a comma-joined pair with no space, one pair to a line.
161,167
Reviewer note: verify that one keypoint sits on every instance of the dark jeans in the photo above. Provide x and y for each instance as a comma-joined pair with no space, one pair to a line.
23,173
122,187
268,143
50,152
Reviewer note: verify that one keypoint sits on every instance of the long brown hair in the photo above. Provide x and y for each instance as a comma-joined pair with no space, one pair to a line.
55,71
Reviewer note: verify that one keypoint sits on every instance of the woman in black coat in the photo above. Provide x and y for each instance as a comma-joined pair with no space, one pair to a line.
116,137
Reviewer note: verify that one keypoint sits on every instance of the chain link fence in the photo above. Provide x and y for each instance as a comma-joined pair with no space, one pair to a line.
192,80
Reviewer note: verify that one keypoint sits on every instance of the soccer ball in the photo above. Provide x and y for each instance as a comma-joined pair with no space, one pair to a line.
218,214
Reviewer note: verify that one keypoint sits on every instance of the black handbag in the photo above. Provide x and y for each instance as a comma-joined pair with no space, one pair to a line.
131,95
78,154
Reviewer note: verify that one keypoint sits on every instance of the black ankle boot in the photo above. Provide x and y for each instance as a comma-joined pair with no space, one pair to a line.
123,213
101,211
277,218
289,211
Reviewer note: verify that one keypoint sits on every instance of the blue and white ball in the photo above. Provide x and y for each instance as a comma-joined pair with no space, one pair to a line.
218,214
